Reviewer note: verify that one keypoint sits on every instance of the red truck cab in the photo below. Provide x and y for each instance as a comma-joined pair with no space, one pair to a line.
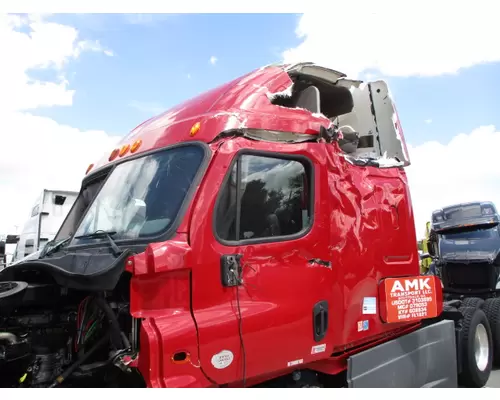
265,227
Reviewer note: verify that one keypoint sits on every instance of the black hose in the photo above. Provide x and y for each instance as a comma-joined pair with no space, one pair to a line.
79,362
125,340
116,333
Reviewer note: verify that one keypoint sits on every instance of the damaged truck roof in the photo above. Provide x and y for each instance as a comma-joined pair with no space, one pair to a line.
275,98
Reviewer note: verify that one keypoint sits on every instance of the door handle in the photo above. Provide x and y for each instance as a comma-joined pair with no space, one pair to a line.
320,320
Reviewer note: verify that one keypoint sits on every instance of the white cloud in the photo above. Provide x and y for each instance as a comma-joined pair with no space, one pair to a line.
398,38
464,169
38,152
213,60
428,121
87,45
49,45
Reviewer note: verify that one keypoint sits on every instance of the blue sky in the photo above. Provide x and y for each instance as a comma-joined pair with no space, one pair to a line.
154,58
454,103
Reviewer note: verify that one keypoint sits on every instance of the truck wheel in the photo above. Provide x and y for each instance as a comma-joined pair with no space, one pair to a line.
474,302
492,310
476,348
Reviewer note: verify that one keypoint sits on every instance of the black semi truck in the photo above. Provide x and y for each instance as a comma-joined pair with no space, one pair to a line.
464,243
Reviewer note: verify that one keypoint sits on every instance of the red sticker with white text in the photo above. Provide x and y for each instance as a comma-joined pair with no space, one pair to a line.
410,299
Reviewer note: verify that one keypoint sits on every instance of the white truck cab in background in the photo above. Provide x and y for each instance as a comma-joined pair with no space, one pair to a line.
8,245
46,217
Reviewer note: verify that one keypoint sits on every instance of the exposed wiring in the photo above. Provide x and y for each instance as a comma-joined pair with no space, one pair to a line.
198,347
91,330
80,313
79,321
87,320
118,340
85,331
240,327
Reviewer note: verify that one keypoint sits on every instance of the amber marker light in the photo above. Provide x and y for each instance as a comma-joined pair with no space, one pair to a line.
194,129
136,146
113,154
89,168
124,150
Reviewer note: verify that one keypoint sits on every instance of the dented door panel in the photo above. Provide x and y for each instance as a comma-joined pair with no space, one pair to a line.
372,236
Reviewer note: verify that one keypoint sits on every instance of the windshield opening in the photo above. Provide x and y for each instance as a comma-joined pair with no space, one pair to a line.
486,233
78,209
142,198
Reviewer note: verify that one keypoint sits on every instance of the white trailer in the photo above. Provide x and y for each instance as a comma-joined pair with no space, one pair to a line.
47,215
7,248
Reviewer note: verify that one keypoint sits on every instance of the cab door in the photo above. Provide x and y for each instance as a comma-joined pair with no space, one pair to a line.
262,280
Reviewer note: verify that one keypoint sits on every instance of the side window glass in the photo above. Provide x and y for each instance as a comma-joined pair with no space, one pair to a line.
28,247
225,214
264,197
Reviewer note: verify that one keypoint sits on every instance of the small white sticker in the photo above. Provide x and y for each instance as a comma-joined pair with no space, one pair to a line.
363,325
295,362
320,348
369,305
223,359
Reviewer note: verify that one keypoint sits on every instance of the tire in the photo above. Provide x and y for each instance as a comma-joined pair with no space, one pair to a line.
475,372
11,296
474,302
492,310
